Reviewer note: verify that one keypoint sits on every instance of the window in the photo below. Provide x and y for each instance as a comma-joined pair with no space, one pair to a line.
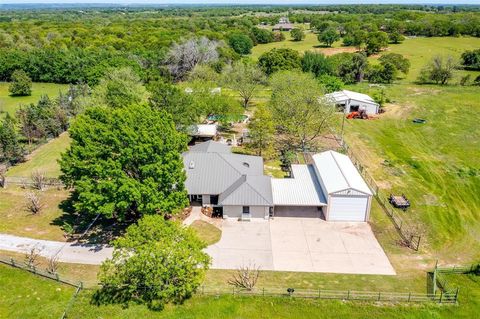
246,210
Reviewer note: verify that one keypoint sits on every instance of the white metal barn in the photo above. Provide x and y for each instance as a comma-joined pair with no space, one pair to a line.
348,196
354,101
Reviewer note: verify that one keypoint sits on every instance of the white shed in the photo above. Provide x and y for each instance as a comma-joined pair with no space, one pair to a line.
348,196
354,101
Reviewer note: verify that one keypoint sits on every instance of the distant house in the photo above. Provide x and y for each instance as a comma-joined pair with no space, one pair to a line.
329,187
350,101
283,25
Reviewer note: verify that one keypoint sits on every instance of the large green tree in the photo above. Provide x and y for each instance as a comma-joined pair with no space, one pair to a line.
297,34
125,162
240,43
168,97
262,131
10,148
245,78
299,109
21,84
376,42
119,87
329,36
279,59
155,262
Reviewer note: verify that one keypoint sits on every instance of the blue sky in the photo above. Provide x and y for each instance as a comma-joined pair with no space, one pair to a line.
248,1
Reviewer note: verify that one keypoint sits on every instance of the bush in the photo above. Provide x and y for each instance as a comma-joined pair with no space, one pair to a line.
279,59
317,63
262,35
383,73
331,83
21,84
471,59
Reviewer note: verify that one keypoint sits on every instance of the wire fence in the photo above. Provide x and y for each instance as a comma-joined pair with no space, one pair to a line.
409,234
28,181
374,296
440,282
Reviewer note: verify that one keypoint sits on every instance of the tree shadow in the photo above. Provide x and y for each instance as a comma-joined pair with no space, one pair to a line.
75,225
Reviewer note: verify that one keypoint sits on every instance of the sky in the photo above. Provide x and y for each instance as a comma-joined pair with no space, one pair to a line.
236,2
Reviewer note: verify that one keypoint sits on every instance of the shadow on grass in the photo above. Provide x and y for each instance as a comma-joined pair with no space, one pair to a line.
75,224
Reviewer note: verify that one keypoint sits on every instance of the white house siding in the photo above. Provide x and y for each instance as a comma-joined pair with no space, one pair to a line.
348,208
236,211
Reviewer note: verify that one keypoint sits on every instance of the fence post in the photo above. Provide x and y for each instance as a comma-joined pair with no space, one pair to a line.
12,261
456,295
409,296
263,291
234,291
319,293
435,278
348,295
379,296
441,295
203,289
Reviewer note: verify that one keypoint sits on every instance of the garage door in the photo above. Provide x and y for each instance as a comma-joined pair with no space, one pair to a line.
298,211
347,208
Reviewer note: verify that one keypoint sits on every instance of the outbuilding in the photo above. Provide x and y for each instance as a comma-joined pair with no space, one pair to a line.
350,101
348,196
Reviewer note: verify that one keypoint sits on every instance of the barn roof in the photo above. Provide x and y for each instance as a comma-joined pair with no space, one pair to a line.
337,173
344,95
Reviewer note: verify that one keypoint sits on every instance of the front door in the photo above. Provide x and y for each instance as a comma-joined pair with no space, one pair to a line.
246,212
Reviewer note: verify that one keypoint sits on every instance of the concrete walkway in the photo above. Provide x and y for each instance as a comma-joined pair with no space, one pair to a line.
66,252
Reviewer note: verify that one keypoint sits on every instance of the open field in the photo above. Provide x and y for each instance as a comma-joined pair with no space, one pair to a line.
16,220
11,103
309,43
24,295
421,50
35,297
43,159
436,165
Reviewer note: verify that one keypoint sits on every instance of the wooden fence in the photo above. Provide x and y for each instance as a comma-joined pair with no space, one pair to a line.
27,181
373,296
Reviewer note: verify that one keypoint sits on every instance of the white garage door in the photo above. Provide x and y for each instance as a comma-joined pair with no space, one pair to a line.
347,208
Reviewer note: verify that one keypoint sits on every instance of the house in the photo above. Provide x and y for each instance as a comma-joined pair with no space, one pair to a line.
233,183
330,187
350,101
283,25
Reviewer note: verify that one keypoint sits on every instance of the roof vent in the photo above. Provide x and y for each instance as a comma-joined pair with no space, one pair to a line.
246,164
191,165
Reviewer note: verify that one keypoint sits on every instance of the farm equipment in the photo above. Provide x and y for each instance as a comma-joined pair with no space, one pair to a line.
399,201
419,121
361,114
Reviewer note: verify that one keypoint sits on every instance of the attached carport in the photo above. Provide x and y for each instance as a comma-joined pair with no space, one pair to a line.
298,196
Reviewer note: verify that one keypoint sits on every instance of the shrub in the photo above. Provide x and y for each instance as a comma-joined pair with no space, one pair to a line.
21,84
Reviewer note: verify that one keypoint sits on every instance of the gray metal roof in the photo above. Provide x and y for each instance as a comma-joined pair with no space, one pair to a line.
337,173
301,190
211,173
210,147
248,190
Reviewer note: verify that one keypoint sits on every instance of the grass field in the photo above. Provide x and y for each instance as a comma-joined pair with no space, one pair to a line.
11,103
16,220
436,165
207,232
44,158
23,295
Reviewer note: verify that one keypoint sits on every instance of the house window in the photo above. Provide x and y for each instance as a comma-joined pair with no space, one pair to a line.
246,210
214,199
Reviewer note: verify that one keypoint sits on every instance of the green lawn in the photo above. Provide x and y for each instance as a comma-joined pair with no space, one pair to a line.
421,50
16,220
309,43
44,159
10,104
436,165
24,295
207,232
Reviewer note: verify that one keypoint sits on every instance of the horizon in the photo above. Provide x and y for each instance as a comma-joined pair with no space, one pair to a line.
241,2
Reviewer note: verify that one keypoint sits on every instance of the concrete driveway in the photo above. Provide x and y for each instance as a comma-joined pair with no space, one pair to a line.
300,244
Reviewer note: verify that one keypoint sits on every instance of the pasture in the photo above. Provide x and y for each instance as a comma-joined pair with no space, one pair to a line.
9,104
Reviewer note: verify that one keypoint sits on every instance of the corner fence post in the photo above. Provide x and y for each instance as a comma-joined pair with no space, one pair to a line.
456,295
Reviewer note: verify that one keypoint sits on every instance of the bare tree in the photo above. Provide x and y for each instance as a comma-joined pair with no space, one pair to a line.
39,180
182,58
52,265
34,204
31,258
245,277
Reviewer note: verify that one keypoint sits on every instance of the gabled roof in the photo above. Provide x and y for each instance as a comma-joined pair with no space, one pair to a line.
210,147
344,95
337,173
248,190
301,190
211,168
